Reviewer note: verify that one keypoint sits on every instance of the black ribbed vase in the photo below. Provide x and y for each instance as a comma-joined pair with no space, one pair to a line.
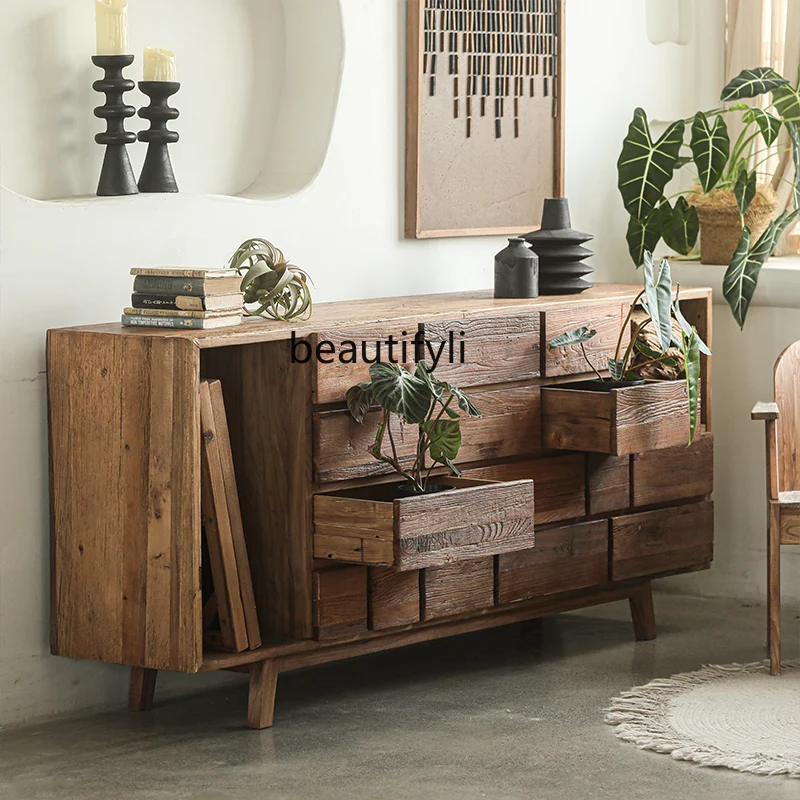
116,177
561,256
157,174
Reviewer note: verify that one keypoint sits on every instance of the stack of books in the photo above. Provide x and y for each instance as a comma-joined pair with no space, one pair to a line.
198,299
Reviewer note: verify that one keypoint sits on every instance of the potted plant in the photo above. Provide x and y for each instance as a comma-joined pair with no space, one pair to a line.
423,520
732,203
626,411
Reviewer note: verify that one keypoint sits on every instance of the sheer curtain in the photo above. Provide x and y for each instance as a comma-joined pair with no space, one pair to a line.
767,33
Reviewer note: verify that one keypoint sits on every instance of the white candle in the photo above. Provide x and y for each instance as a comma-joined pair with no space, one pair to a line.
111,18
159,64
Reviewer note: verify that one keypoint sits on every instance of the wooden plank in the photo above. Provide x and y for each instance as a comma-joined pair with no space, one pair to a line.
332,380
563,560
765,411
340,602
394,598
606,320
234,514
269,416
609,481
664,540
217,523
510,427
457,588
408,310
342,511
787,369
676,473
125,488
559,484
495,349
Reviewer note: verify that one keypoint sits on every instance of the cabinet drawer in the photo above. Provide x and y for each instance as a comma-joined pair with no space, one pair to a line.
477,352
394,598
609,479
346,354
458,588
560,484
510,427
606,319
676,473
373,525
340,602
666,540
564,559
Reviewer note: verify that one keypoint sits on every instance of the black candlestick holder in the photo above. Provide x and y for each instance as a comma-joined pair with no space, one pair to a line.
117,176
157,174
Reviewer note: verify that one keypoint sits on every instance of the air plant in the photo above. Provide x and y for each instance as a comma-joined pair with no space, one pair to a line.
272,287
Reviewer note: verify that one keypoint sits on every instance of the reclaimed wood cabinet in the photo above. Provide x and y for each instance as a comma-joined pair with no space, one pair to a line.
125,437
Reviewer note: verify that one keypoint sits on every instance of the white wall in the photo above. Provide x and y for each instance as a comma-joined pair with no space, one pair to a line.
64,264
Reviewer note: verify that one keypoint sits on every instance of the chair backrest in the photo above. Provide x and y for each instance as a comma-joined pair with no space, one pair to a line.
787,396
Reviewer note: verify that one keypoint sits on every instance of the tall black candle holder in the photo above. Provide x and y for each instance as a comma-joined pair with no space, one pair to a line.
157,174
117,176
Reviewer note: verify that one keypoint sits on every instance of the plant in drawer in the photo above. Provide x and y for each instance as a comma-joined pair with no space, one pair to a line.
625,413
420,522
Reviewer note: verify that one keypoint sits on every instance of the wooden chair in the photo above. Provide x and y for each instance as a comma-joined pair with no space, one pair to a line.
783,484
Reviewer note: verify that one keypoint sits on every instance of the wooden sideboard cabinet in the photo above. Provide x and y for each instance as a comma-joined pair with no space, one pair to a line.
125,437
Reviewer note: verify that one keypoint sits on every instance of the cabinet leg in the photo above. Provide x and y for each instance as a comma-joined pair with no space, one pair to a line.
261,700
644,618
143,689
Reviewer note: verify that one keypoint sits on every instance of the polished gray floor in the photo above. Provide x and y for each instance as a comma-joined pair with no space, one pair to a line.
509,713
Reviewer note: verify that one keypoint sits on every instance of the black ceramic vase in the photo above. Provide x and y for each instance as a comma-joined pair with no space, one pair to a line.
516,271
561,256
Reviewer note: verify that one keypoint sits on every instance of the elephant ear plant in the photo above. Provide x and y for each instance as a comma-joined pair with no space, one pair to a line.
733,174
417,399
659,309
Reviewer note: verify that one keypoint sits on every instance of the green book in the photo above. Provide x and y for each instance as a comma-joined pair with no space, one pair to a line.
178,285
186,323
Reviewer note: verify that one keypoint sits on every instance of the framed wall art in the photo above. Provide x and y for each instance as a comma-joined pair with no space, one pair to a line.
485,115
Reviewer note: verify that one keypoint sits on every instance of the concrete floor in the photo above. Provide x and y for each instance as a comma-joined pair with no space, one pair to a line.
491,715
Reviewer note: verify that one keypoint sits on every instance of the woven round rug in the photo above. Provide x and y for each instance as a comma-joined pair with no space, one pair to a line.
736,716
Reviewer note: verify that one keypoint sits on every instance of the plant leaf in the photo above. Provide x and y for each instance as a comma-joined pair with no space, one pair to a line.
572,337
684,324
787,101
398,391
794,136
616,368
445,439
644,167
658,291
769,126
359,400
745,190
436,386
464,403
643,236
680,226
691,361
453,468
751,83
711,148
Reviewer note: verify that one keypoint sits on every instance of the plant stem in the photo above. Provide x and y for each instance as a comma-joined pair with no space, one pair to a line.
594,369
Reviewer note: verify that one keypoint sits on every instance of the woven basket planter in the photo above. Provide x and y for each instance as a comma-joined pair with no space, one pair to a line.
720,226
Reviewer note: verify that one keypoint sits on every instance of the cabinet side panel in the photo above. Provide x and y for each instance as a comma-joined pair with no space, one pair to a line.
124,438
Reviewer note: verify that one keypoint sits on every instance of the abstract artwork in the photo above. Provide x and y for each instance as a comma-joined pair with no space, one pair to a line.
484,116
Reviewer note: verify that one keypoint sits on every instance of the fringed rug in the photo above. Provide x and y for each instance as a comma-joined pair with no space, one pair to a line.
734,716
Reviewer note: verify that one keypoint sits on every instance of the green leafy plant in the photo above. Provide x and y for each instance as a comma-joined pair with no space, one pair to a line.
645,168
272,287
659,309
420,399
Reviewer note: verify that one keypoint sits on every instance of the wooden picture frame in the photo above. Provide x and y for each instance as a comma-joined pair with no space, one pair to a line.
462,207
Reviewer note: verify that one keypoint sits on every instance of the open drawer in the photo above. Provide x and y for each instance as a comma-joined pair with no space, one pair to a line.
371,525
